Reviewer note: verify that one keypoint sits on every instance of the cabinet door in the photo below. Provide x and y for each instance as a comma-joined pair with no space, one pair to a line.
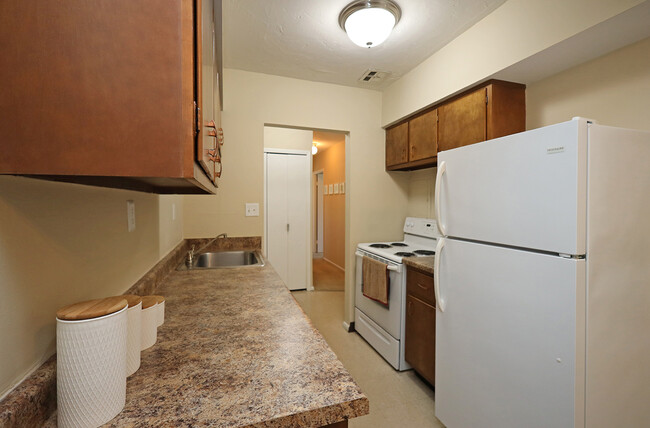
463,121
420,285
397,145
206,153
420,337
423,136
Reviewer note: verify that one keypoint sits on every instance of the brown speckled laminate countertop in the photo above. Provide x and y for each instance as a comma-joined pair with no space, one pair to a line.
425,264
236,350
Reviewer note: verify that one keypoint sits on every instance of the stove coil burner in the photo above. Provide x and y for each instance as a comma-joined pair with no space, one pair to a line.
379,245
425,252
404,254
399,244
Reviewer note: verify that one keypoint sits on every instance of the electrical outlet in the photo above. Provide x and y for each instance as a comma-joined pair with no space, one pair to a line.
252,210
130,214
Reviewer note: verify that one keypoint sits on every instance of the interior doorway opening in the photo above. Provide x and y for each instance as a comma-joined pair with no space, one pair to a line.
324,205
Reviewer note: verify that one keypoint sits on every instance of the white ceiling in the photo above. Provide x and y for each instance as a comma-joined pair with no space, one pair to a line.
302,38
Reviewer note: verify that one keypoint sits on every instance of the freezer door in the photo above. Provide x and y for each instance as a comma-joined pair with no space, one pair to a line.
506,343
524,190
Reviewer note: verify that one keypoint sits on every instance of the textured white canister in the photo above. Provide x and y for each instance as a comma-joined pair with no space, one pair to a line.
91,363
134,333
161,310
149,322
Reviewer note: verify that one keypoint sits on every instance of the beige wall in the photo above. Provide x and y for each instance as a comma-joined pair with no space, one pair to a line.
421,193
332,163
63,243
376,200
515,31
613,89
287,138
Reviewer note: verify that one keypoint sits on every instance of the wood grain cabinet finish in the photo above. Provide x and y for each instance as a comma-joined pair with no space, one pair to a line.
397,145
423,136
420,326
103,94
493,109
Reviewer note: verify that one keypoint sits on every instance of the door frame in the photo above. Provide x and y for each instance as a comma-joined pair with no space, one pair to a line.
308,213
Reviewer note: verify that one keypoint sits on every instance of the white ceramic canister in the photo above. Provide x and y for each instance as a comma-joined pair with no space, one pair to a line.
161,309
134,334
91,362
149,322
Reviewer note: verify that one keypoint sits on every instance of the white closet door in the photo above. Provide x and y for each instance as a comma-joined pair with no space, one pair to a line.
288,221
297,213
277,191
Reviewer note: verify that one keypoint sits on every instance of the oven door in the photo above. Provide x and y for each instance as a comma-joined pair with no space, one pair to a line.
388,318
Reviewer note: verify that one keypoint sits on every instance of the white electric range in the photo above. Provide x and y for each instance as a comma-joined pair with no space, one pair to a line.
383,327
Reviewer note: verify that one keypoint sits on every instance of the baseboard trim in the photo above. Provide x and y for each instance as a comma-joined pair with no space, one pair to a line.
349,327
333,264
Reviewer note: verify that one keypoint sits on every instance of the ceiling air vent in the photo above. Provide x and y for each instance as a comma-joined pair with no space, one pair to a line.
373,76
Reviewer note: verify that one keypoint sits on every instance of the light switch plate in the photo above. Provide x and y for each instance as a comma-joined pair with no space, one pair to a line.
325,189
130,214
336,188
252,210
331,189
342,188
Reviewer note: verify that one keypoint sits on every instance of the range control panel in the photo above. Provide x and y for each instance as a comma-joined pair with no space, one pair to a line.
422,227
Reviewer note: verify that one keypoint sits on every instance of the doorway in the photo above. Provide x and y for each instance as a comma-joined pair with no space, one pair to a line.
329,207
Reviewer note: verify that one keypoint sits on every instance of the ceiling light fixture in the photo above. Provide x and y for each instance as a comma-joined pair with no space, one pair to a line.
368,23
314,149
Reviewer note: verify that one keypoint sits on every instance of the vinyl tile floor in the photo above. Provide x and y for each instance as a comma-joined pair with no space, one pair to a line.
397,399
327,277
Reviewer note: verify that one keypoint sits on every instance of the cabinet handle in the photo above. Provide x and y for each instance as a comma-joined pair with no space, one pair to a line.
211,124
424,287
408,308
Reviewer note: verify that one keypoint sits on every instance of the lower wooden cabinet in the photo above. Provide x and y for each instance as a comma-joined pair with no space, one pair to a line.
420,328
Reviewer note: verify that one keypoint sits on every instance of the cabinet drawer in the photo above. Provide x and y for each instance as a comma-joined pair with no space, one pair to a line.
420,285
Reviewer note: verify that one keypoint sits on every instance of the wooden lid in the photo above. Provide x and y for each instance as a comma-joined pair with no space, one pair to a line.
159,299
132,299
148,301
92,308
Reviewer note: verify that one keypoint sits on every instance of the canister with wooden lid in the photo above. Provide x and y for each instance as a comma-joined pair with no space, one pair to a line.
161,309
149,322
91,361
134,333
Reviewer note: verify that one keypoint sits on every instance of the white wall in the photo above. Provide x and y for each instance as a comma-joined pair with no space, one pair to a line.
512,33
64,243
376,201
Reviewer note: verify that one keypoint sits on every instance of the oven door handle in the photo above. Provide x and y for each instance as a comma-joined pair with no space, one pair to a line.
394,268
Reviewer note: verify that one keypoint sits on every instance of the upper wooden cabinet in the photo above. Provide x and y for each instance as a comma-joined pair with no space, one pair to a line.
397,145
110,96
492,110
412,143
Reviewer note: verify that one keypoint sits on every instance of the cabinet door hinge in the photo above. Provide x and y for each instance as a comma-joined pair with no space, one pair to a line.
487,97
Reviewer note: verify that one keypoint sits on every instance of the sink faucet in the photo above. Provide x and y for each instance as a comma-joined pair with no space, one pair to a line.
190,254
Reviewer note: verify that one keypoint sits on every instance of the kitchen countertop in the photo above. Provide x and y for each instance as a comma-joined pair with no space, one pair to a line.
424,264
236,350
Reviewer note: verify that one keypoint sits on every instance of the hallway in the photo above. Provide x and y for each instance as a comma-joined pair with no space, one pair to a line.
327,277
397,399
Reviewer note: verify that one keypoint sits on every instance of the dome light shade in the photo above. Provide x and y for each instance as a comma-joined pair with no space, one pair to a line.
314,148
369,23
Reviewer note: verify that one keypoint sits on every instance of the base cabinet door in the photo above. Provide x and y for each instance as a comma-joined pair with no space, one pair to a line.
420,337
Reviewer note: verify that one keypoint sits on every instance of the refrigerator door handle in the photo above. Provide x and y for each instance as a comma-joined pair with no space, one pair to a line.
440,303
442,168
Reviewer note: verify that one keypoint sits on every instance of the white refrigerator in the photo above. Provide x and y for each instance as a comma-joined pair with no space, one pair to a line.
542,280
